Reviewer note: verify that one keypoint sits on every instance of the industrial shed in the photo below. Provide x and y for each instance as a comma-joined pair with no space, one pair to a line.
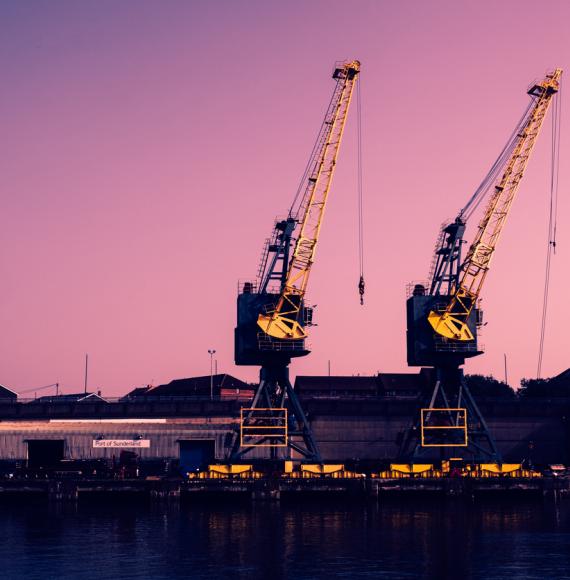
191,442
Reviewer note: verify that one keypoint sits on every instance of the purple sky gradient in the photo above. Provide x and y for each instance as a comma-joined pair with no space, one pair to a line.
148,146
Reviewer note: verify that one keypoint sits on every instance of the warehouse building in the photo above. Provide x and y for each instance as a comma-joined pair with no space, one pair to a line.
179,424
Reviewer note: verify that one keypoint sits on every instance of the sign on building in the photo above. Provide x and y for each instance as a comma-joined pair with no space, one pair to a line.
122,443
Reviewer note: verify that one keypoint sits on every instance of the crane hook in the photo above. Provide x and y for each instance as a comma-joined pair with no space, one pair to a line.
361,290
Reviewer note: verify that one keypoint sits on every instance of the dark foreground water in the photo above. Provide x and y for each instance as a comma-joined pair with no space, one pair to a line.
333,539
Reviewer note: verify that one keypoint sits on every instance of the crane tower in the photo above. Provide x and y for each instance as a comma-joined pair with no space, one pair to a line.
443,317
272,317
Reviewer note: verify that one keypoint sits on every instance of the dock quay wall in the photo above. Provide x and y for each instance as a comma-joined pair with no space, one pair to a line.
71,490
345,429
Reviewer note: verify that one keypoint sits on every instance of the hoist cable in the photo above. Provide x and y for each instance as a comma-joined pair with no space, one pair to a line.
552,219
497,166
359,193
296,206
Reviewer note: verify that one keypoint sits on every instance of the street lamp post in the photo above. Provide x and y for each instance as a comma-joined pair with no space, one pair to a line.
211,352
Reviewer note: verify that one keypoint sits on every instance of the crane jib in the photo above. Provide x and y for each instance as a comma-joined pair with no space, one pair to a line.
284,321
452,322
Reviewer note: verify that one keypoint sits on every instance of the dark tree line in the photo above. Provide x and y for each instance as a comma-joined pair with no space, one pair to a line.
488,386
555,387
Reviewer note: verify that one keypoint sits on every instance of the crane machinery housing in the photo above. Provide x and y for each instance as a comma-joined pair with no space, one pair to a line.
443,317
272,317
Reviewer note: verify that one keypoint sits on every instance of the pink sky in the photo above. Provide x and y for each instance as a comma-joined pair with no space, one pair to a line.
147,146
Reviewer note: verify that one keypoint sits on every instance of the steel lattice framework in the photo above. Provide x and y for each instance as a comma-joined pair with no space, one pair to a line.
452,323
283,322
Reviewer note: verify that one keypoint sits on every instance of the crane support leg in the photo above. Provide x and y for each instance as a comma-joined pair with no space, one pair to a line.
449,424
275,421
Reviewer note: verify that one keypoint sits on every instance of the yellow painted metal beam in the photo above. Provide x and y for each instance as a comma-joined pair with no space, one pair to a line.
283,321
452,323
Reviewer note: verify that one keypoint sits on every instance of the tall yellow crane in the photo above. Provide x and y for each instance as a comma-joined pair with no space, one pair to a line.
452,323
272,315
283,321
443,318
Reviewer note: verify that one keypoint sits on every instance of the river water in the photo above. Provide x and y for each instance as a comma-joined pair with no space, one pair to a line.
403,538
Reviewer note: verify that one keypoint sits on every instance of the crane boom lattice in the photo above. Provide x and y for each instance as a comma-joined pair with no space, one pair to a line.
452,323
283,321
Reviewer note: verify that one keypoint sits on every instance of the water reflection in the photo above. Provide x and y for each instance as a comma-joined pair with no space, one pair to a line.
399,539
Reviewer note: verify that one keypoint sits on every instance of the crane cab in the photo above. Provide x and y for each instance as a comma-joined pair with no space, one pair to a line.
425,347
252,345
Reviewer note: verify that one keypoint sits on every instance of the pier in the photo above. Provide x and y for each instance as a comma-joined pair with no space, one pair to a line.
276,488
